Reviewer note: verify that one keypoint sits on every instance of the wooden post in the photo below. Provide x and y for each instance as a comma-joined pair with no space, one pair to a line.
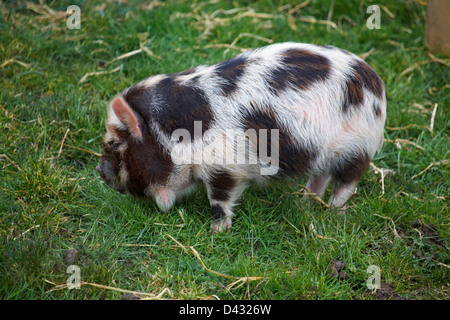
437,28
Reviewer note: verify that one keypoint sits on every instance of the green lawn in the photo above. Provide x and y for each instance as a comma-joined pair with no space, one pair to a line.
55,86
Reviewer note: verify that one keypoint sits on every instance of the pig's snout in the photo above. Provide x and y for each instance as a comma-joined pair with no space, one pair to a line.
108,175
100,172
106,170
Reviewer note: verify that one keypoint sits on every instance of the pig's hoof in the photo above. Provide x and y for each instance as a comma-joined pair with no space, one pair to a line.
221,225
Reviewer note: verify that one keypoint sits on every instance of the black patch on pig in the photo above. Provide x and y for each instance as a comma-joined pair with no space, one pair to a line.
363,76
217,212
299,70
111,158
369,78
140,99
353,92
221,184
146,162
230,71
292,159
349,168
171,104
377,109
180,106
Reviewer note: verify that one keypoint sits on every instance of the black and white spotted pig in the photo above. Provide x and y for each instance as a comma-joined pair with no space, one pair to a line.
328,105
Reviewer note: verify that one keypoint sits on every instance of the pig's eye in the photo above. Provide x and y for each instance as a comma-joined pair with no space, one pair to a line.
114,145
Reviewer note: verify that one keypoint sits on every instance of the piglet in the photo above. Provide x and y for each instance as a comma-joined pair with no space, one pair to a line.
284,110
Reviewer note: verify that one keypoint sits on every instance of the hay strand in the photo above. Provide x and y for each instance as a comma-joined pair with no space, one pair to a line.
313,229
9,61
433,115
398,142
313,195
61,147
97,73
84,150
148,296
246,34
197,255
437,163
12,162
412,125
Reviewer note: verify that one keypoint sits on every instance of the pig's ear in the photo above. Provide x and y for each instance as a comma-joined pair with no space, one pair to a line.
126,116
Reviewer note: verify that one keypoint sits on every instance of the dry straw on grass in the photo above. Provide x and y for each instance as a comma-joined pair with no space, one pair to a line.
436,163
97,73
143,295
239,281
9,61
417,65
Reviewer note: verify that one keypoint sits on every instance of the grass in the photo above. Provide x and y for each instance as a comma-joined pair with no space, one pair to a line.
51,124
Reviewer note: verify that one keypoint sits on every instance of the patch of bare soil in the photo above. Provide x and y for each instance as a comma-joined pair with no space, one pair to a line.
386,292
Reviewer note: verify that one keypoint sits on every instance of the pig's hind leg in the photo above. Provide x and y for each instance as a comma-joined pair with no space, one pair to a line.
316,185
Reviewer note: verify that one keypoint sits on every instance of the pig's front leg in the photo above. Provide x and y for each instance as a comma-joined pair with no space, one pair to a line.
224,191
221,217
